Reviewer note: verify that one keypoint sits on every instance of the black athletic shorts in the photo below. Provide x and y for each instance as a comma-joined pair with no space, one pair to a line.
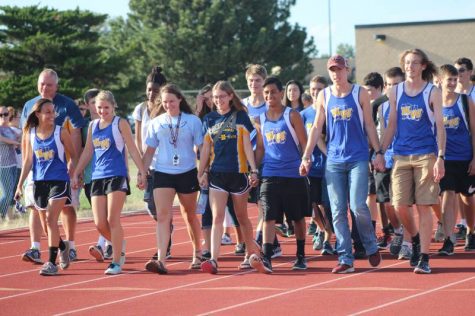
383,186
457,179
185,183
148,197
43,191
105,186
289,196
231,182
316,190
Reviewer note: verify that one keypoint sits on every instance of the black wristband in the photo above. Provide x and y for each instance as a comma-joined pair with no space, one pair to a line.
380,152
442,157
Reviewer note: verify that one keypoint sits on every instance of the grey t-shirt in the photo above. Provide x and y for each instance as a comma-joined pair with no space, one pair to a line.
7,151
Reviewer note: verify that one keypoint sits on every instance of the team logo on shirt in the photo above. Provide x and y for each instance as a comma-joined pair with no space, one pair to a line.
341,113
308,126
411,112
276,137
451,121
102,144
44,155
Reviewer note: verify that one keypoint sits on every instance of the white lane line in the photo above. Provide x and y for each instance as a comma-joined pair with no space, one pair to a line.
412,296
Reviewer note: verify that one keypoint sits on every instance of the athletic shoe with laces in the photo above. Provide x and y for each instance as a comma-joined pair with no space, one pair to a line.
447,248
281,230
209,266
422,267
122,253
205,254
49,269
384,241
375,259
260,263
290,233
97,253
461,233
470,242
226,239
342,268
396,244
276,251
311,229
73,255
32,255
318,241
156,266
416,253
155,256
113,268
327,249
439,235
245,264
108,253
300,263
64,257
240,249
405,253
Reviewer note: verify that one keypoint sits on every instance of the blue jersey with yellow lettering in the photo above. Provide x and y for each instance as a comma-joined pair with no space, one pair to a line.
109,151
227,153
282,155
49,160
253,112
318,158
459,141
346,136
415,134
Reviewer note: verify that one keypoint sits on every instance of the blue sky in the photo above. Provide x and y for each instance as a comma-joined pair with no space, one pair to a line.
313,14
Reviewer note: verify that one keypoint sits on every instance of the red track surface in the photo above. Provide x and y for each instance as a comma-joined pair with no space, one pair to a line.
392,288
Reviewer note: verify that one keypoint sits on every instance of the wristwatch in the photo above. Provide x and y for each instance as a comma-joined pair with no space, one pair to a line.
380,152
442,157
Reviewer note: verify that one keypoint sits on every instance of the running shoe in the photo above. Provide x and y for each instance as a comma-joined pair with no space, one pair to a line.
439,235
327,249
447,248
318,241
245,264
277,251
384,241
422,267
396,244
64,258
343,268
416,253
32,255
205,254
461,232
49,269
122,253
97,253
405,253
281,230
470,242
226,239
311,229
240,249
300,263
113,268
375,259
108,253
155,256
261,264
156,266
210,266
73,255
290,233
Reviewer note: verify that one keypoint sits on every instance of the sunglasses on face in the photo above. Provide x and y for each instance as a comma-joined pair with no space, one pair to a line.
6,114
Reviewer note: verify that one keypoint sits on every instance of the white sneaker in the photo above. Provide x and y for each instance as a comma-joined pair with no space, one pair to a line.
226,239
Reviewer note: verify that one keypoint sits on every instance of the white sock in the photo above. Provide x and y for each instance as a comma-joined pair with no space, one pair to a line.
71,244
36,245
101,242
463,222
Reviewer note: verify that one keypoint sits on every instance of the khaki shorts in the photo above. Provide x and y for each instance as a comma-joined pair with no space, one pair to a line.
412,180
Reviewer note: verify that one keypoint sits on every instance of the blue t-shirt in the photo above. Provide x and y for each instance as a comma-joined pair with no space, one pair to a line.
159,136
253,112
318,158
346,136
227,154
68,114
459,140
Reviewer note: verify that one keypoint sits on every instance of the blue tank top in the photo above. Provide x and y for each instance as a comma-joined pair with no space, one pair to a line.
253,112
109,151
49,159
346,137
318,158
459,141
282,155
415,134
388,155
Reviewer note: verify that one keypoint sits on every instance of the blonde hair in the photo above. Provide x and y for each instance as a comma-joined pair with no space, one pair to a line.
255,69
106,95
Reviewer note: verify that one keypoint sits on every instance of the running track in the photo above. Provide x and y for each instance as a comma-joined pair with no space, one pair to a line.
83,289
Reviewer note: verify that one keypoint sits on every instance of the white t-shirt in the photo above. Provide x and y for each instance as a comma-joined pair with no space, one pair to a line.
141,114
189,135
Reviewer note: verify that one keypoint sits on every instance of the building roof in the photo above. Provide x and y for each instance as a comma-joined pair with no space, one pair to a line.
362,26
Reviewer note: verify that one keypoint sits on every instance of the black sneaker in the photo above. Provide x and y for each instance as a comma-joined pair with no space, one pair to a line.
470,242
396,244
416,253
461,233
422,267
240,249
327,249
206,255
360,253
155,256
300,263
290,232
281,230
447,248
311,229
383,241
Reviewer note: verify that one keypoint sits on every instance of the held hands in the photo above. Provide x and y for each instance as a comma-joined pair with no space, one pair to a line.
379,163
141,180
253,179
304,167
439,170
76,181
203,180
